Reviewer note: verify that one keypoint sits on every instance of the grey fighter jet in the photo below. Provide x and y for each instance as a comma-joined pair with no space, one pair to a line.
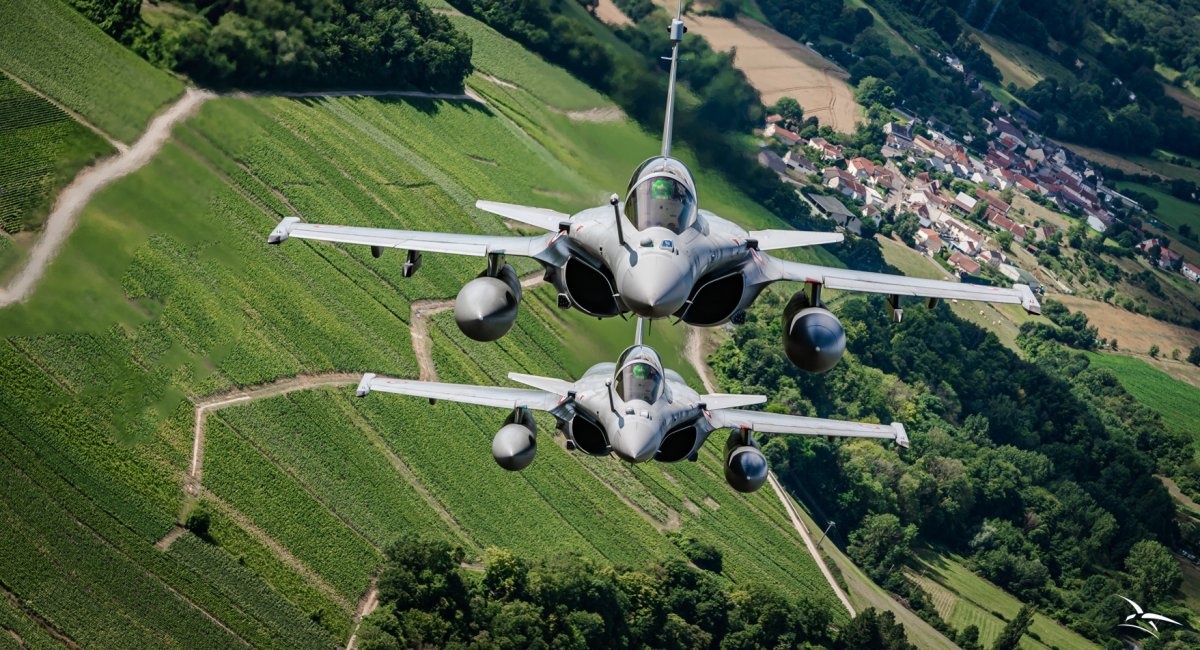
634,409
656,254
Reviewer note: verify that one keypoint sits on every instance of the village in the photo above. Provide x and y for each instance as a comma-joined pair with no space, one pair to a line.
961,198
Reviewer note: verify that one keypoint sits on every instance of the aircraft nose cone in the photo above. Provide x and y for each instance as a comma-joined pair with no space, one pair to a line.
654,287
637,441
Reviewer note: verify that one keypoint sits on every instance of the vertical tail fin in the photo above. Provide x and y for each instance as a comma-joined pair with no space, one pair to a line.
677,30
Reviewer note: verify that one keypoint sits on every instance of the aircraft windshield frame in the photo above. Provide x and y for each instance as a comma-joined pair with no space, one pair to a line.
639,380
661,200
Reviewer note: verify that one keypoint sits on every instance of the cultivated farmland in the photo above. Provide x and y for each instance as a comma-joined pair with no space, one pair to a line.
41,149
778,66
1174,400
166,293
963,599
54,49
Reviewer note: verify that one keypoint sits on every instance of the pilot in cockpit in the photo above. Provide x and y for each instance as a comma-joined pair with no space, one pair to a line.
661,199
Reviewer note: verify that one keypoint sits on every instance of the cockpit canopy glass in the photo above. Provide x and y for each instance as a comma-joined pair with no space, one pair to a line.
662,196
639,380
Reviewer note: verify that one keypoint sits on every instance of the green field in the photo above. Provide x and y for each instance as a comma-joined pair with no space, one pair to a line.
1172,211
166,293
963,599
1174,400
54,49
1002,320
41,150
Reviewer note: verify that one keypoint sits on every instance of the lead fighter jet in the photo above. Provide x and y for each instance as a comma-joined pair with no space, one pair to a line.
635,409
655,254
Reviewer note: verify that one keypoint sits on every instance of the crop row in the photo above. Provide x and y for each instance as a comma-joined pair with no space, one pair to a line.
41,149
68,433
265,563
15,621
280,622
55,49
498,55
101,509
248,481
87,578
322,442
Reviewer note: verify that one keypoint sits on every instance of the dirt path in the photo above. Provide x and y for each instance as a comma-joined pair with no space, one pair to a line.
48,626
365,606
1177,494
603,114
812,548
71,200
694,351
284,555
175,533
221,400
609,14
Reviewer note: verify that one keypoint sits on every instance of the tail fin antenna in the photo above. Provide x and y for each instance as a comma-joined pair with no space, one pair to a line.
677,30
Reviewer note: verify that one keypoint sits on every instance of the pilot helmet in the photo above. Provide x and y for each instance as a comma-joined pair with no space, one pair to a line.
662,196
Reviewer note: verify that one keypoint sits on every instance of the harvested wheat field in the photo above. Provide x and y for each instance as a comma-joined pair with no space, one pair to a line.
608,13
778,66
1134,332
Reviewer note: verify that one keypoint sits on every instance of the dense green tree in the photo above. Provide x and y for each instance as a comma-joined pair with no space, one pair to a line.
1010,636
875,630
790,109
881,544
1153,571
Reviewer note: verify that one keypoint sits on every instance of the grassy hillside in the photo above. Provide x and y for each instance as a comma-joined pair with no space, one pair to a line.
51,47
41,150
166,293
1172,211
963,599
1174,400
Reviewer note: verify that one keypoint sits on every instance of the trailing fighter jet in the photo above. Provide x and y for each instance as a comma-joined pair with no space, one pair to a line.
635,409
656,254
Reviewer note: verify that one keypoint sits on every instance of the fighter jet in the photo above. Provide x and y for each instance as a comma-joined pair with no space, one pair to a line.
656,254
636,410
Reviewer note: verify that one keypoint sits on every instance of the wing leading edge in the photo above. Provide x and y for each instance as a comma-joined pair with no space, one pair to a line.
482,395
900,285
430,242
763,422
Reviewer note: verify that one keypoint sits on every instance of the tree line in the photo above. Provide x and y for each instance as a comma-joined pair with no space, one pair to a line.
294,44
428,599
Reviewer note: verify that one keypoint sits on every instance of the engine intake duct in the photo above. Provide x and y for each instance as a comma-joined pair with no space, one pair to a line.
715,299
588,436
590,287
679,444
